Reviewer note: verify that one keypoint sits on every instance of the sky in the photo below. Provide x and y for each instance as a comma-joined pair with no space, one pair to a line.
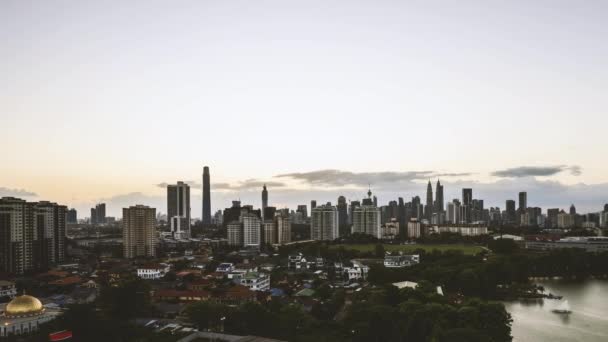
110,100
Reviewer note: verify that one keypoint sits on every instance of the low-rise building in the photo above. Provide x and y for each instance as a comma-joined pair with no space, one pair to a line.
255,281
356,272
399,261
225,267
152,271
589,244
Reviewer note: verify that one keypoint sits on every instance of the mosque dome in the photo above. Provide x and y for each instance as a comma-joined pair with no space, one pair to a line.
24,306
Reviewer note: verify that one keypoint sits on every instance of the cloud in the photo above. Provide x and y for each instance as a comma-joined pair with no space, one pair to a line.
249,184
534,171
339,178
193,184
6,192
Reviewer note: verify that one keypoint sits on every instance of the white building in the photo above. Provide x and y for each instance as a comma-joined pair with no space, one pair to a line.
464,230
414,229
366,218
400,261
270,232
251,230
283,228
324,223
255,281
152,271
357,272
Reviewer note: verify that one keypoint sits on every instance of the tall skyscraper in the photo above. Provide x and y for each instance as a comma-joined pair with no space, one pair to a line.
234,233
429,195
572,210
467,196
510,211
32,235
264,201
302,210
342,211
206,196
313,204
324,223
439,197
139,231
523,201
178,209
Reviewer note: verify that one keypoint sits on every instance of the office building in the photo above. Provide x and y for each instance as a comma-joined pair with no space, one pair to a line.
139,231
178,209
429,207
439,197
206,196
283,224
303,211
511,214
324,223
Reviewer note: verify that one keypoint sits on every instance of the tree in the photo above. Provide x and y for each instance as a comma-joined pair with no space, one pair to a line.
379,251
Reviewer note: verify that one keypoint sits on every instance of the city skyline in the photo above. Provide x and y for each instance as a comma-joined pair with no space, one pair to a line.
502,98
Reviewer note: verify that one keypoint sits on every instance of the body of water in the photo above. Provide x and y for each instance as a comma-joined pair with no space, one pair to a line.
534,321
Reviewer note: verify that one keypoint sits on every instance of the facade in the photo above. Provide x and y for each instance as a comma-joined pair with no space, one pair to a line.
139,231
523,201
178,209
453,212
32,235
206,196
283,224
390,230
251,230
269,232
342,211
414,229
324,223
235,234
565,221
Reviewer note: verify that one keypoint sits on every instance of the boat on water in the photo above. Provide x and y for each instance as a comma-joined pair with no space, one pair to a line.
563,308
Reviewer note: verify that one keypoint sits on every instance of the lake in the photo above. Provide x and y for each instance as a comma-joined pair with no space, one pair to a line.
534,321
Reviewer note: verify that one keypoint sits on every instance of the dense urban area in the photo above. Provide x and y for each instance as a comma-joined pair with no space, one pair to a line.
431,270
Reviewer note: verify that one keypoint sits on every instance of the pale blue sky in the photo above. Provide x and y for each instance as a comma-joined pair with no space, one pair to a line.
107,98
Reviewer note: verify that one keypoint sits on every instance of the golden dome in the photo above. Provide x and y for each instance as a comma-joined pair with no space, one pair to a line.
23,306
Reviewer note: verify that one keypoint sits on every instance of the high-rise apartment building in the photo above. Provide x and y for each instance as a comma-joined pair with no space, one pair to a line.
324,223
234,233
98,214
342,207
139,231
32,235
178,209
366,218
206,217
252,226
269,232
283,228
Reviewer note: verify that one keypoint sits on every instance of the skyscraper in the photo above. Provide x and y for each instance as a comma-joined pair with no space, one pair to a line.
178,209
439,197
283,225
32,235
366,218
206,196
252,226
98,214
342,211
313,204
467,196
324,223
72,216
572,210
510,211
523,201
264,201
139,231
